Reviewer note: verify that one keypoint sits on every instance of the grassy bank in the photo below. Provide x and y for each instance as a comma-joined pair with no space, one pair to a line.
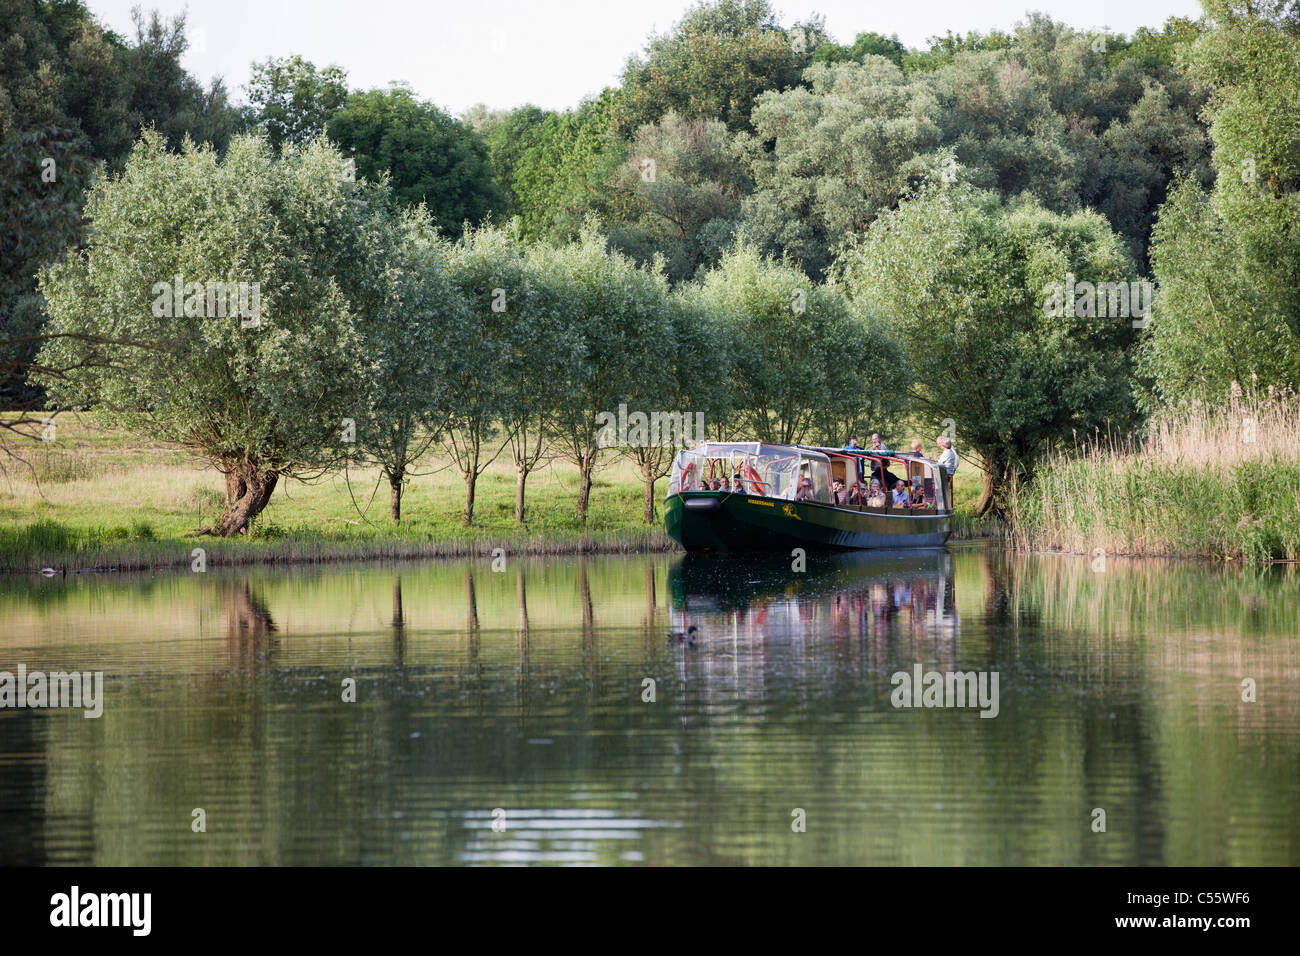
99,497
1218,482
102,497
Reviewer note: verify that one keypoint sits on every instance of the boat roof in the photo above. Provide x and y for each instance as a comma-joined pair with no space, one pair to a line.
758,448
868,453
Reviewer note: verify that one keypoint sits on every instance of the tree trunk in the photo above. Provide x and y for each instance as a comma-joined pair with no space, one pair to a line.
521,478
395,509
988,494
248,489
471,478
585,465
648,482
235,487
997,483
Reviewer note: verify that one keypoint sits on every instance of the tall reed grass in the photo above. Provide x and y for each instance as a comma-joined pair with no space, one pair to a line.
1220,481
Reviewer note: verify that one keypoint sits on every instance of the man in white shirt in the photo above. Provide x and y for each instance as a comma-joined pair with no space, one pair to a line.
948,460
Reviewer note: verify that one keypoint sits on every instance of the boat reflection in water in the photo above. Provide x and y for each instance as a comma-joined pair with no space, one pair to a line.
849,617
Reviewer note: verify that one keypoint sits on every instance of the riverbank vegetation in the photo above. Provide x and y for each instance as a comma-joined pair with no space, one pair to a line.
787,237
1216,481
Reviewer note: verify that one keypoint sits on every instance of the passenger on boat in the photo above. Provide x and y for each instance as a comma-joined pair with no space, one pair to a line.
918,496
853,443
838,495
737,485
916,448
719,484
805,489
875,494
901,497
878,446
884,475
855,494
948,460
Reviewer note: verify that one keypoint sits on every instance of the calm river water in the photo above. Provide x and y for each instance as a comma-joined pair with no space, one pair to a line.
502,716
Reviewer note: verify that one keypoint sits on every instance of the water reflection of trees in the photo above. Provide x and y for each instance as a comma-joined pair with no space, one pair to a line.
250,631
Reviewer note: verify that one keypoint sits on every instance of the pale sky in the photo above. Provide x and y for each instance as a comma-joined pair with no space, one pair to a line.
548,52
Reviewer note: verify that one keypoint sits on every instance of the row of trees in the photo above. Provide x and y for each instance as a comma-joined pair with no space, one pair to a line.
374,336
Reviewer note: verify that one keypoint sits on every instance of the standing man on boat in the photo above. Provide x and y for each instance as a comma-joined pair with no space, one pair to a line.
948,460
853,444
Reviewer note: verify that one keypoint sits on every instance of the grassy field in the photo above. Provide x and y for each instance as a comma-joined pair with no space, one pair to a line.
100,497
1219,482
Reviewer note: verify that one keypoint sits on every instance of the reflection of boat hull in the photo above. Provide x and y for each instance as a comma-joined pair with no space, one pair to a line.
702,580
713,521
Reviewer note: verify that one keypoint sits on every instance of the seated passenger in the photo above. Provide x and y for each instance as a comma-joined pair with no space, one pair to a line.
875,495
717,485
918,496
737,485
901,498
855,494
838,495
805,489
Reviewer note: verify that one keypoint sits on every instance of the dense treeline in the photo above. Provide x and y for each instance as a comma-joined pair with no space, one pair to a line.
794,236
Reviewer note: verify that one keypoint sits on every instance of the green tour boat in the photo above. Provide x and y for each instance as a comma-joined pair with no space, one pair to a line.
752,496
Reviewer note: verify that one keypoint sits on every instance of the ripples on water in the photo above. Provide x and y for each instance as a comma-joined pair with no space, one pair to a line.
499,716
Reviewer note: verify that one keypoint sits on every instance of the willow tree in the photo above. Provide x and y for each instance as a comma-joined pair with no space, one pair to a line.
614,313
685,381
539,351
403,360
799,358
229,292
487,269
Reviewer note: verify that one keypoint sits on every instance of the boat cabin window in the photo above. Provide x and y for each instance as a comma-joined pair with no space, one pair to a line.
818,469
764,470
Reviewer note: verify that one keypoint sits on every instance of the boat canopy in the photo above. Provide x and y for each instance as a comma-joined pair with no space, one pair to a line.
772,471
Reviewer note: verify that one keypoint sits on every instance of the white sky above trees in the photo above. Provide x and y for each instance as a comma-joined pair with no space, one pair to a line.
548,52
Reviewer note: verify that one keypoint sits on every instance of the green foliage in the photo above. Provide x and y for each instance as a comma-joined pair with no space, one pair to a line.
1228,262
802,365
37,222
291,101
618,313
508,137
943,50
560,180
714,64
1046,113
684,181
847,147
429,157
161,93
866,44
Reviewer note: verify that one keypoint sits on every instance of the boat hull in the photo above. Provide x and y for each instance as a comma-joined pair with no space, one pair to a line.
713,521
